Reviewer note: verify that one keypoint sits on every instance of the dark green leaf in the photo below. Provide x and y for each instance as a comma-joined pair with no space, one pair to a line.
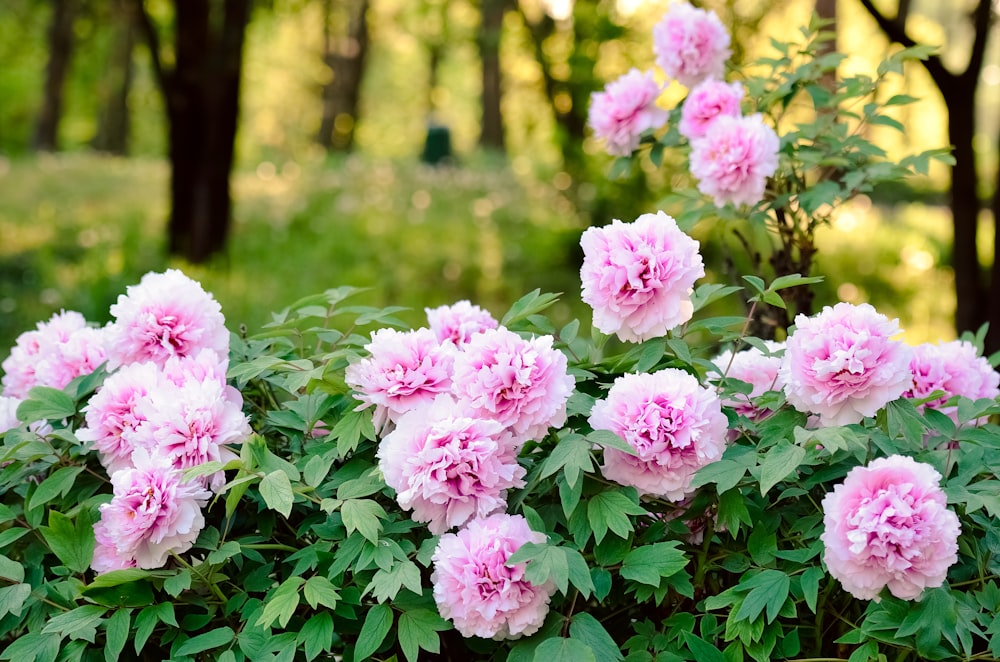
377,624
116,628
12,598
418,628
316,635
591,632
58,483
647,564
610,510
781,460
769,590
45,403
78,623
72,541
223,636
560,649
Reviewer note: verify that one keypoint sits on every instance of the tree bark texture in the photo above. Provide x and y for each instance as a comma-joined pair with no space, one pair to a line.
113,126
491,135
60,44
345,54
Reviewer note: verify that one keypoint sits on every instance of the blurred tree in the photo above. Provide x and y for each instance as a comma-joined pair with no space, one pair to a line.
345,52
60,48
113,121
491,135
201,94
974,293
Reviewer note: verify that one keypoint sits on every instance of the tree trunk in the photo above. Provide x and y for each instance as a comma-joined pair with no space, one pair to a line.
345,55
60,44
113,124
491,134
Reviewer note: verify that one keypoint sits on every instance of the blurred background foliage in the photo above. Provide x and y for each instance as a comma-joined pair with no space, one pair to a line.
77,224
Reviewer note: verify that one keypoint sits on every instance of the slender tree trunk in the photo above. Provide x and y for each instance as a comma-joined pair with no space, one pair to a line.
491,135
114,121
60,44
345,55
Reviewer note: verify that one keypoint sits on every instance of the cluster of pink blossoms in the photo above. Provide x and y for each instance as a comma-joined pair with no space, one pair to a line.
753,367
455,402
953,368
638,277
165,408
732,155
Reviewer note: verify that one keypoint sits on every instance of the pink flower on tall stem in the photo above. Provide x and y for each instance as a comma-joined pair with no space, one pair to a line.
458,322
707,102
625,109
638,276
166,315
843,363
447,467
522,384
475,588
691,44
152,513
404,369
734,158
888,525
955,368
675,425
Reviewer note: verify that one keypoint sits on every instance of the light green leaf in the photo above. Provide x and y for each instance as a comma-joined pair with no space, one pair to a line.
58,483
116,628
701,649
277,492
32,646
316,470
11,570
319,590
769,590
647,564
12,598
385,584
223,636
316,635
781,460
71,540
79,623
572,455
281,604
418,628
44,403
178,583
364,516
378,622
610,510
560,649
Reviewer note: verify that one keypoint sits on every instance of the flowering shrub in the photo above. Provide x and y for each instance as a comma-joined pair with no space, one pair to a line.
337,486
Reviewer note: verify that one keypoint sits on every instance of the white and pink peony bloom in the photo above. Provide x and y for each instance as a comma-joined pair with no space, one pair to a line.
734,158
475,588
522,384
151,514
404,369
459,322
675,425
449,468
691,44
843,364
708,101
638,277
952,367
166,315
888,525
754,367
625,109
53,354
8,413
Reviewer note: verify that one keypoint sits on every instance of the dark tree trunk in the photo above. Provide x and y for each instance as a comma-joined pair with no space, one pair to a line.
491,135
974,304
114,121
60,44
201,93
345,55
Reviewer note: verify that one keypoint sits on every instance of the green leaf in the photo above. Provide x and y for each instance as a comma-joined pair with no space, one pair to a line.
530,304
59,483
609,439
116,634
781,460
229,549
277,492
769,590
218,637
545,562
610,510
560,649
572,455
701,649
350,429
32,646
418,628
79,623
45,403
281,604
178,583
724,473
11,570
647,564
319,590
12,535
12,599
385,584
118,577
378,622
316,635
810,586
364,516
72,541
316,470
589,630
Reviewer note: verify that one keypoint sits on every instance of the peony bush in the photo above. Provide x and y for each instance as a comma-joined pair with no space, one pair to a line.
671,485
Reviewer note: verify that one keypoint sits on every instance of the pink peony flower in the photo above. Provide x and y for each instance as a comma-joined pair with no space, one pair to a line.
638,276
476,589
888,524
843,365
734,159
755,368
953,367
8,413
691,44
458,322
165,315
404,369
447,467
112,414
708,101
53,354
625,110
151,514
522,384
675,425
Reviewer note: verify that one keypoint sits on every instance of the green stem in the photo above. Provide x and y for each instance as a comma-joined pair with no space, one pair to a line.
211,585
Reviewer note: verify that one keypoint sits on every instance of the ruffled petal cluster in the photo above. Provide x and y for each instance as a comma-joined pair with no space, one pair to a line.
475,588
675,425
843,363
888,526
734,158
691,44
638,276
753,367
956,368
708,101
625,109
458,322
